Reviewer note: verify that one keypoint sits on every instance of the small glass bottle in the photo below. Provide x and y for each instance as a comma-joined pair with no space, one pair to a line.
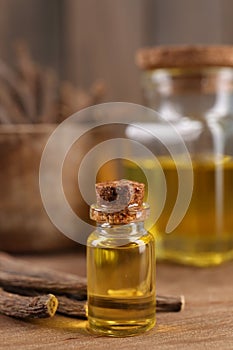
121,271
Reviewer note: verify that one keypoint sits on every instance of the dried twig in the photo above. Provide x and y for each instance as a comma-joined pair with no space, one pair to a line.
15,273
13,85
33,94
21,278
27,307
75,289
71,307
76,308
169,303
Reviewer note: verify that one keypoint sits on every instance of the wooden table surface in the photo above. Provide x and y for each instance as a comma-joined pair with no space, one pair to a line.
205,323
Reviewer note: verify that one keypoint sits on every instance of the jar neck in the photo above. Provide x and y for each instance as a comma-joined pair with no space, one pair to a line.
189,92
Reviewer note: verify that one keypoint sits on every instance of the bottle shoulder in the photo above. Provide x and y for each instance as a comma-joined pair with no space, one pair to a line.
96,239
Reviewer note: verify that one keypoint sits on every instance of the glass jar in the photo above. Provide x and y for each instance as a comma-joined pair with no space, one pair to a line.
121,274
192,88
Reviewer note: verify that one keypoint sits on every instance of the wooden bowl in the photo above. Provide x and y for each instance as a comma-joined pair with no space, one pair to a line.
24,224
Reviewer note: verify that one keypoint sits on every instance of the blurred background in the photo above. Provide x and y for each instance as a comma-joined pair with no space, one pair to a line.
72,54
84,40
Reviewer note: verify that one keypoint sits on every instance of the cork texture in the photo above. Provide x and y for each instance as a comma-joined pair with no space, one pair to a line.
119,202
184,56
125,216
119,194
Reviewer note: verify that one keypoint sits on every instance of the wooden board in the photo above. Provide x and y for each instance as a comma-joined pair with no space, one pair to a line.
206,322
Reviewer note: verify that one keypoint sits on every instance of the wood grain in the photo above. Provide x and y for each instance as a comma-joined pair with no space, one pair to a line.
206,322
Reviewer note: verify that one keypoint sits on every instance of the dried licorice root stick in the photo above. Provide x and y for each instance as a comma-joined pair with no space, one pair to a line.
77,308
43,284
18,306
74,308
26,279
15,273
169,304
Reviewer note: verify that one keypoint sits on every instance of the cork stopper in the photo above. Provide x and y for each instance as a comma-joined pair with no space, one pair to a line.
185,56
119,202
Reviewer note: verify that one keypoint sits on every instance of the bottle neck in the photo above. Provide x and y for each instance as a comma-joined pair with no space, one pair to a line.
124,230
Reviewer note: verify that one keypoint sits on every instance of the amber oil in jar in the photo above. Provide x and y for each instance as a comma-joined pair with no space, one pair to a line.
204,236
191,87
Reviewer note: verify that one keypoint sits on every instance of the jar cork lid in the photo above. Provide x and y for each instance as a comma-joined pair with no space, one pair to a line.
185,56
119,202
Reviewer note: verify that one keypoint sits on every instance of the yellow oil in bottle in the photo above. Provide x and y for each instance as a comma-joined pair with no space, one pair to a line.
205,235
121,283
